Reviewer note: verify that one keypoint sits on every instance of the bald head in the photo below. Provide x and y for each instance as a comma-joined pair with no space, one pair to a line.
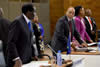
1,12
88,12
70,12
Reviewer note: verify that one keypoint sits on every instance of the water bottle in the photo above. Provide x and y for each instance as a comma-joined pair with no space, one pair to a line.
59,59
99,45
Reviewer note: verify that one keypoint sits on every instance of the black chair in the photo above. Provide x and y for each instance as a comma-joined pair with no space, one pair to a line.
2,61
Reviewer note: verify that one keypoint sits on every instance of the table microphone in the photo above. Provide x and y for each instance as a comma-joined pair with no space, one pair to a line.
63,61
46,55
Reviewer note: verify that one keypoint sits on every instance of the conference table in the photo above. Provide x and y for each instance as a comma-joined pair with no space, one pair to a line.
79,59
46,63
84,59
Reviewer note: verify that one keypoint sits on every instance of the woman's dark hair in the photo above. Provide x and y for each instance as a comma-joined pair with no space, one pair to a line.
27,7
77,10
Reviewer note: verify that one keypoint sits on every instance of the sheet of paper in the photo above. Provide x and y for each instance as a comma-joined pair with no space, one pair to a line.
36,64
94,48
90,44
77,61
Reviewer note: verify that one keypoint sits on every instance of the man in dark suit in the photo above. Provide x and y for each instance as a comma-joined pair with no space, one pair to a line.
63,30
20,49
90,24
4,24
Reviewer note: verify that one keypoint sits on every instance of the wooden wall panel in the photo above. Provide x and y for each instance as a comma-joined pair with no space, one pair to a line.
58,9
66,5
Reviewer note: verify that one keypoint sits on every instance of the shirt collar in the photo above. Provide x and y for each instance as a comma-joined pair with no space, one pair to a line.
87,16
27,20
69,19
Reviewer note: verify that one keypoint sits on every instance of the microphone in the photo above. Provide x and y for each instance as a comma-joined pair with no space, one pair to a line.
51,49
46,55
63,61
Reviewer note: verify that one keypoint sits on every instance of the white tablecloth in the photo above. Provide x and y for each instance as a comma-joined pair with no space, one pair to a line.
88,61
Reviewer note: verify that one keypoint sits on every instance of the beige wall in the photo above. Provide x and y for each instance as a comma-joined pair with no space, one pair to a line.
13,9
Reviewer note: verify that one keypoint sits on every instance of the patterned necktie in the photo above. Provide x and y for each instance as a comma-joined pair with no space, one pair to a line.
90,21
70,26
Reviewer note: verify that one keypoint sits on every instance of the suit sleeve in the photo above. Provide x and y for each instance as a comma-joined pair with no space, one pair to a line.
36,32
12,40
87,36
87,26
77,35
94,25
60,31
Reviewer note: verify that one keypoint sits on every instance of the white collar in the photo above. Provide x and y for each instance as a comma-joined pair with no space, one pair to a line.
87,17
69,19
27,20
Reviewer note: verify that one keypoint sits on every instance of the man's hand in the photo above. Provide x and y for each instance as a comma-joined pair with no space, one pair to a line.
41,37
18,63
91,41
84,45
35,58
92,32
74,47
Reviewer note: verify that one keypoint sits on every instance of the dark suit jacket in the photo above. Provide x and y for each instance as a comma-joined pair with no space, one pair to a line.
4,26
59,40
88,28
19,41
37,34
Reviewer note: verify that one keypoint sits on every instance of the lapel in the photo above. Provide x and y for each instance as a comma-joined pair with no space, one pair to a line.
87,22
72,27
66,27
91,20
25,26
24,22
66,23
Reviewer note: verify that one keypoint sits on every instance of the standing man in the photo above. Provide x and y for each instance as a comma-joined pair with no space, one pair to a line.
65,27
4,24
90,24
20,49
